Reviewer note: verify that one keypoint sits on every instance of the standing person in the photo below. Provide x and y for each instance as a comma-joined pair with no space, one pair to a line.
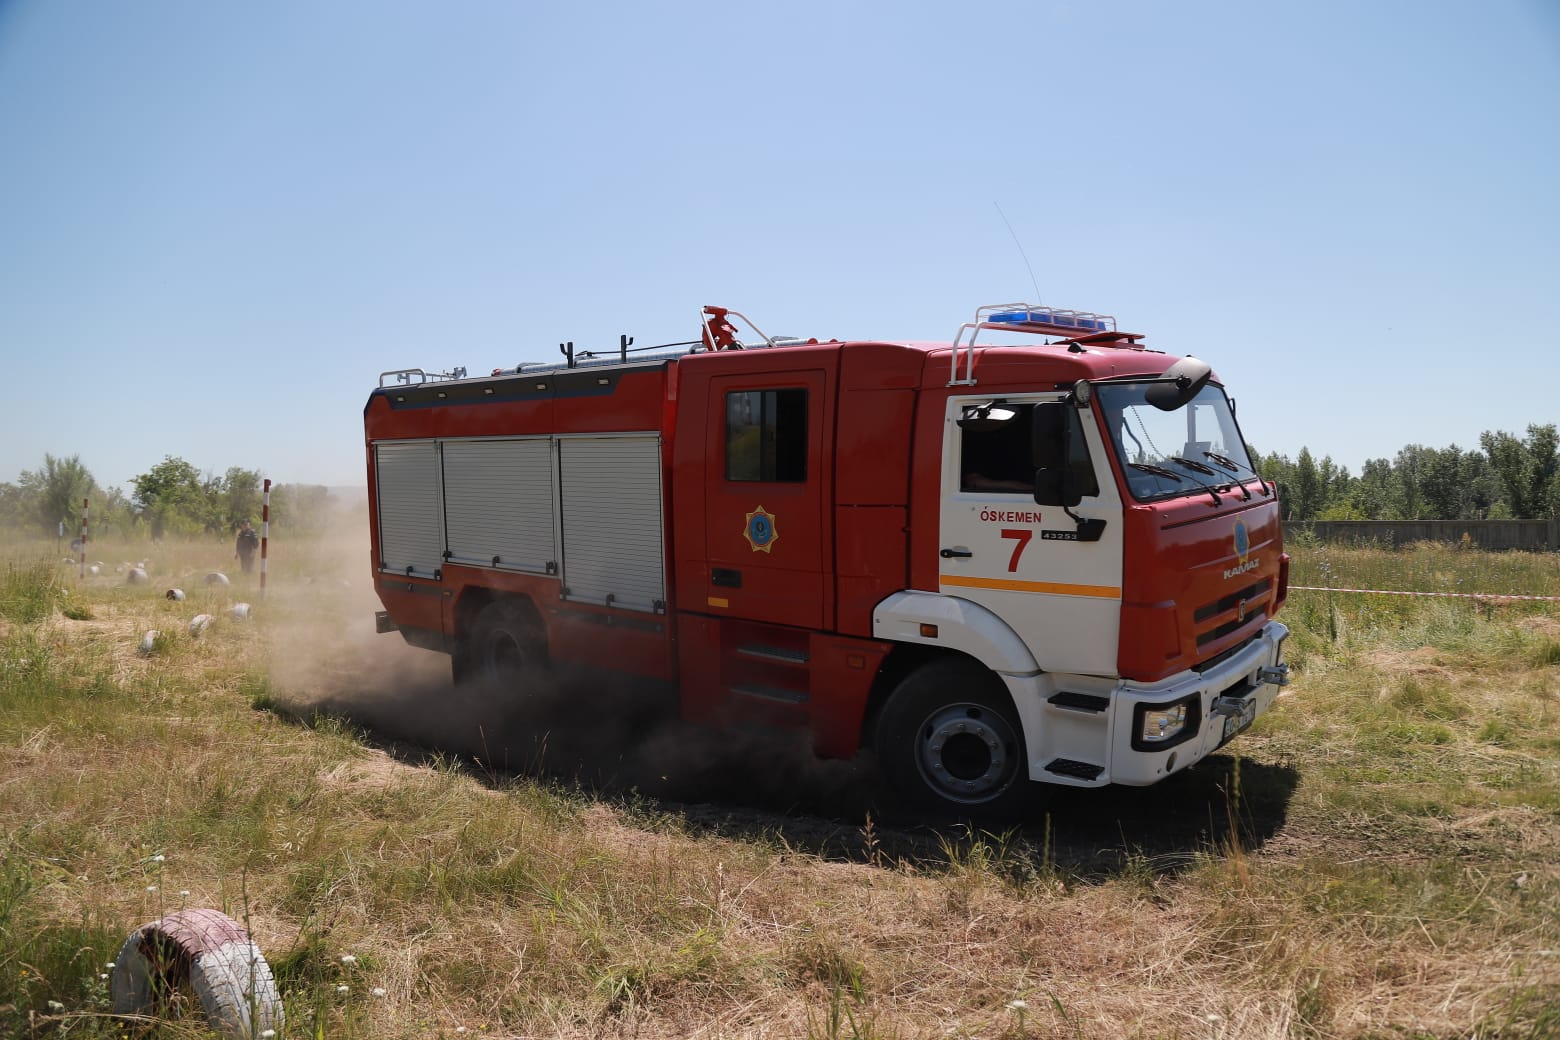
248,545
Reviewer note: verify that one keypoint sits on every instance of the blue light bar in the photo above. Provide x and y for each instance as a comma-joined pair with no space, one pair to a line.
1081,321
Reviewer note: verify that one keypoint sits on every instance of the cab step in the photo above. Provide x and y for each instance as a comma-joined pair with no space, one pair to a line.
1073,768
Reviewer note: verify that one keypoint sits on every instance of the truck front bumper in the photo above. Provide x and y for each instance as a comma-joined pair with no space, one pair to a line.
1161,728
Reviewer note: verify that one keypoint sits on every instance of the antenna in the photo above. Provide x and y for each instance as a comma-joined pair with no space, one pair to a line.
1021,252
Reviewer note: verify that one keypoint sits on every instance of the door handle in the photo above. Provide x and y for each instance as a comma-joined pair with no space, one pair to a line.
955,554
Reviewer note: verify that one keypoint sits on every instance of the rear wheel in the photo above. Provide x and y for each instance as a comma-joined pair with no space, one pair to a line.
505,641
949,742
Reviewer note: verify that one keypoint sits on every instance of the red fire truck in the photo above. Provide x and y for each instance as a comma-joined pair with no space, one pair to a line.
1037,552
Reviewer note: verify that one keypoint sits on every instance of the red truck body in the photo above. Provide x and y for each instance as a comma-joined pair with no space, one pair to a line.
790,533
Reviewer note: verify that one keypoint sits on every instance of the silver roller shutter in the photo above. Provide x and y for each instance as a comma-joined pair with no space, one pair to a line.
411,507
498,503
611,509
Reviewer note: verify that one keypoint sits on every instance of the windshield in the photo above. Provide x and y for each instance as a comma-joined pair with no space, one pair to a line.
1165,454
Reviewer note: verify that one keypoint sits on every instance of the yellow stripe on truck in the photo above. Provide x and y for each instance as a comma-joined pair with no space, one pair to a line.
1054,588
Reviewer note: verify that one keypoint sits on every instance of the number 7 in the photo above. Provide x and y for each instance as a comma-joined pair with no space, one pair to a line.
1022,537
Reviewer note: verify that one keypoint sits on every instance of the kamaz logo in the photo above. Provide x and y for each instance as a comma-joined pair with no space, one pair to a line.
1250,565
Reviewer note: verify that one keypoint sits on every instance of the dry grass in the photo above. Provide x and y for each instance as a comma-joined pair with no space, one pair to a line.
1390,869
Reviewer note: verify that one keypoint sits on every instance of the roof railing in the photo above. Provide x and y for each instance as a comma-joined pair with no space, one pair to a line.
1023,317
404,376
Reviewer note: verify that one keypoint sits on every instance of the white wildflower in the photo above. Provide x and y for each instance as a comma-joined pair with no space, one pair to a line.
266,1034
378,991
348,959
151,888
56,1006
1018,1005
158,858
342,989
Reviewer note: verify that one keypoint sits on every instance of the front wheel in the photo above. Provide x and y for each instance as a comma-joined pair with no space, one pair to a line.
949,742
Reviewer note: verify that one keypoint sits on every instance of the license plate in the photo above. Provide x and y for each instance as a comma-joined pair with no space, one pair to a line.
1234,724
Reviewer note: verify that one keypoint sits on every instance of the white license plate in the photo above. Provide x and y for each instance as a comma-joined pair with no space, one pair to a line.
1234,724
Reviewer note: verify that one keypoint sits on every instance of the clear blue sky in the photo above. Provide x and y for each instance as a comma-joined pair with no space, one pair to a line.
220,222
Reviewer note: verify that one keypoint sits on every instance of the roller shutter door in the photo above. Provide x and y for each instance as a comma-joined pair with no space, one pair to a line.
498,503
411,507
611,509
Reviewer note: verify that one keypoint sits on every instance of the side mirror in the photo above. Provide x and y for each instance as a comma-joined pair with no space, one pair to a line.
1051,447
1181,382
1054,487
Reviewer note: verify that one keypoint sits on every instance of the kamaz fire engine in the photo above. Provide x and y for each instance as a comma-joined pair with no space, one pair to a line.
1037,552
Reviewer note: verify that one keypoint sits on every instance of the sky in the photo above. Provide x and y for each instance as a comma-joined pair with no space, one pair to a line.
220,222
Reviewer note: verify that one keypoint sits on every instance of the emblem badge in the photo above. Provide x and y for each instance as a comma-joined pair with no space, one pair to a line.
1240,611
1242,540
760,530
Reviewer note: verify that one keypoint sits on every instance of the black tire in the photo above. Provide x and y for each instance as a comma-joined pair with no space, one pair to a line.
949,744
203,953
505,643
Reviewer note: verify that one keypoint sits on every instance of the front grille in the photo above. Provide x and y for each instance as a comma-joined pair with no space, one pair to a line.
1220,658
1250,592
1213,635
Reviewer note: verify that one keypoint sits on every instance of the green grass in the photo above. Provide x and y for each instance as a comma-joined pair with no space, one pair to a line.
28,591
1380,862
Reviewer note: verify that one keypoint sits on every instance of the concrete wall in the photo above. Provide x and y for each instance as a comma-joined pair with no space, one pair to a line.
1484,534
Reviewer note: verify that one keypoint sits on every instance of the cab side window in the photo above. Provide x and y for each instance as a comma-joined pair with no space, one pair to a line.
1000,455
766,436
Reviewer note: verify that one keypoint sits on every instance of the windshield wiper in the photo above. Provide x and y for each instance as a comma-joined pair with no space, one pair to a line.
1200,468
1158,471
1189,464
1245,496
1235,467
1223,460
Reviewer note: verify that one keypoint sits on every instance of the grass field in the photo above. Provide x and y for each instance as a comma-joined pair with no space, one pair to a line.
1382,860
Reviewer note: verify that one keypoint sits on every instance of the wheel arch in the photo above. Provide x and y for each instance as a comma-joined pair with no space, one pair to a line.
964,629
473,599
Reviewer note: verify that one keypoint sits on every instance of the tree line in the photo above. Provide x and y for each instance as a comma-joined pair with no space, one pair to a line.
173,498
1506,477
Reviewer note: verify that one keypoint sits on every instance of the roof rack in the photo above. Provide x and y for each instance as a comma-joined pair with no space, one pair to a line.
1030,318
598,358
406,375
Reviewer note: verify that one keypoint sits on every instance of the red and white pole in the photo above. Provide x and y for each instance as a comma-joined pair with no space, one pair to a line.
265,533
83,538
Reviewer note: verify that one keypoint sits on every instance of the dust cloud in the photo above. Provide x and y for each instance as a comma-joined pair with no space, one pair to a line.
603,731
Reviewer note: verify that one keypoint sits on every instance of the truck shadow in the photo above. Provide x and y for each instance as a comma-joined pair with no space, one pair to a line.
1223,804
623,744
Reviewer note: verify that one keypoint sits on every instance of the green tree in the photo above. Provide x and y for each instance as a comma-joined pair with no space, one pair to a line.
1377,493
238,497
56,490
172,498
1527,469
1307,488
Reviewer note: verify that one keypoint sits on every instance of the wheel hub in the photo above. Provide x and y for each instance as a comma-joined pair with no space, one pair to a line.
964,752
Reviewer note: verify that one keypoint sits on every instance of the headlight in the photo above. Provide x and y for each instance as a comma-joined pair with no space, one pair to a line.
1159,726
1162,724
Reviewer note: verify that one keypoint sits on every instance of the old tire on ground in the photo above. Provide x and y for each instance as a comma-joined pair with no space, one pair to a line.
505,642
200,953
950,744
